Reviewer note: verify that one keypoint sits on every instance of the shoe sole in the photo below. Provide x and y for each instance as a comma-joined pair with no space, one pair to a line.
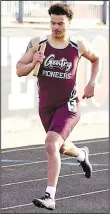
88,173
39,204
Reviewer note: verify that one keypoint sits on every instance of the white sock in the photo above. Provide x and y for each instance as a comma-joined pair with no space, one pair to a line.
51,190
81,155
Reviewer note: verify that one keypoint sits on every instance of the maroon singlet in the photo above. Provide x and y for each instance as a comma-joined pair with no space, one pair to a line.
57,84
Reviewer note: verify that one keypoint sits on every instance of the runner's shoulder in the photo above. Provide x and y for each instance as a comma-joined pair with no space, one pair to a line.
81,43
36,41
78,40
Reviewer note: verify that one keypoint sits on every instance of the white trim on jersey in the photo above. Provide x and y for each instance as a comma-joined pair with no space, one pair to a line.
74,40
75,45
41,40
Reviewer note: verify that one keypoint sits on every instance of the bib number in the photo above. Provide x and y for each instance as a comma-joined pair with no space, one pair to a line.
72,106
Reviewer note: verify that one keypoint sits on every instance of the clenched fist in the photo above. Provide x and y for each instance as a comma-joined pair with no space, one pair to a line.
38,57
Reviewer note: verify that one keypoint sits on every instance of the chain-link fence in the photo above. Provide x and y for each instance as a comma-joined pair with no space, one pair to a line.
37,11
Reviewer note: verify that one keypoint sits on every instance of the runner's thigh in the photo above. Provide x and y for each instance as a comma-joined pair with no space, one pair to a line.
64,120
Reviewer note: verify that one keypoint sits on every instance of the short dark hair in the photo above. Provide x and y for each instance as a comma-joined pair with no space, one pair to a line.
61,9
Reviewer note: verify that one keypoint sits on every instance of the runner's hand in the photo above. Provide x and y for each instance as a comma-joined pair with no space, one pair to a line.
38,57
89,91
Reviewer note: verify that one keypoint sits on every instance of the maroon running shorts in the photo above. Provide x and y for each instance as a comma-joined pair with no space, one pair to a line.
60,120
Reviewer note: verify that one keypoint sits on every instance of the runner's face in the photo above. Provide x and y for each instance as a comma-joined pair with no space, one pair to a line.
59,25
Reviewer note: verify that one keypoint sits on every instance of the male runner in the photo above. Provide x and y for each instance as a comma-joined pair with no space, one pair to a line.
59,108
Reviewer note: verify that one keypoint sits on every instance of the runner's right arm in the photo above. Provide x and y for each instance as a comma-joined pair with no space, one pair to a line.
28,61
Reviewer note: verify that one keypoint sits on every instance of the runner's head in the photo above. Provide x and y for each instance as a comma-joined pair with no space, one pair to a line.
60,18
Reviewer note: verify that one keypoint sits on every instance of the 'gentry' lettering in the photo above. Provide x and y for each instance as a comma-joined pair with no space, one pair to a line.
50,62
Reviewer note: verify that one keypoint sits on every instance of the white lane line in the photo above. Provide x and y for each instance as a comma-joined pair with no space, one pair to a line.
22,164
100,153
92,141
23,149
82,194
45,161
41,179
22,205
58,199
43,147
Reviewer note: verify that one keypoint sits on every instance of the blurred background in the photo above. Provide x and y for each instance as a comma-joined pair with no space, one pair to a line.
36,11
22,20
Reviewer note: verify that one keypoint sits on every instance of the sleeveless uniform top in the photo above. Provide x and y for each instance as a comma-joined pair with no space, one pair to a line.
57,75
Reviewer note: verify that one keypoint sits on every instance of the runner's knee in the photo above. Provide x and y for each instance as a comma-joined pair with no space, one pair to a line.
53,143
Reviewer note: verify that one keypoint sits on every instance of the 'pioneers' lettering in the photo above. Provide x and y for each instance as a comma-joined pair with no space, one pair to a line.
56,74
